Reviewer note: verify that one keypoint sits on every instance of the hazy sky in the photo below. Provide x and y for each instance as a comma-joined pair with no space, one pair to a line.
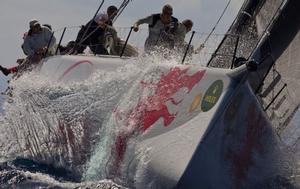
15,14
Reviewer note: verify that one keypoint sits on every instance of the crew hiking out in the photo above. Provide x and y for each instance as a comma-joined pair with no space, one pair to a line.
162,27
93,33
37,42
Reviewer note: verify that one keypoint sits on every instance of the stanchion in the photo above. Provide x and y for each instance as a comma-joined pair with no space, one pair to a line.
124,46
187,48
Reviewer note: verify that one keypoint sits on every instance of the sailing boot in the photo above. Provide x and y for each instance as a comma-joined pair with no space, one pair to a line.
5,71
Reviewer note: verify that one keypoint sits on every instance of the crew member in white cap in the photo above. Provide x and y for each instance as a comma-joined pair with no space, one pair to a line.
37,39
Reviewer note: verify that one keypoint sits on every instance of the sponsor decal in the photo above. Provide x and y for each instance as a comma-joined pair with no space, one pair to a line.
212,95
149,109
195,103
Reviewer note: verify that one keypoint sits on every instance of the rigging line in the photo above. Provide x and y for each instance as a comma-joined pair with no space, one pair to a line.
213,29
121,9
88,35
268,26
89,25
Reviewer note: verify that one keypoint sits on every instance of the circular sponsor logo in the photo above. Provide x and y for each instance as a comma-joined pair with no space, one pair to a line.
212,95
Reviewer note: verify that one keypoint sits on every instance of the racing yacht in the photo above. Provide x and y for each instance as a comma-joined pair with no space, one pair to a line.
179,125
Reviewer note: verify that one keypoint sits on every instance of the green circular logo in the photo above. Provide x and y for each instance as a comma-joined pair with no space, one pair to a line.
212,95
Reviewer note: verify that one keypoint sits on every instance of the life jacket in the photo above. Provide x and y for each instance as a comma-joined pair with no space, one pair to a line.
156,17
109,22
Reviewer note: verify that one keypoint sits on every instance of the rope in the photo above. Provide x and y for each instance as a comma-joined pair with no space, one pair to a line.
121,9
87,28
268,26
213,29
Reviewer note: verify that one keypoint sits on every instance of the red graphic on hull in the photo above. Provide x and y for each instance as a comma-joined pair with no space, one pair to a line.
74,66
151,108
243,158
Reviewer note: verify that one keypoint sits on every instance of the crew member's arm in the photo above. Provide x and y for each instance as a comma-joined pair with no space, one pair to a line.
147,20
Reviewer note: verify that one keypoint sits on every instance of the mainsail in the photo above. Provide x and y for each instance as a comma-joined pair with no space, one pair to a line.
245,32
268,31
279,82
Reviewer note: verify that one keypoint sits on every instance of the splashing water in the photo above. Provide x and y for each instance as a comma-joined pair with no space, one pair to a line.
42,108
60,123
